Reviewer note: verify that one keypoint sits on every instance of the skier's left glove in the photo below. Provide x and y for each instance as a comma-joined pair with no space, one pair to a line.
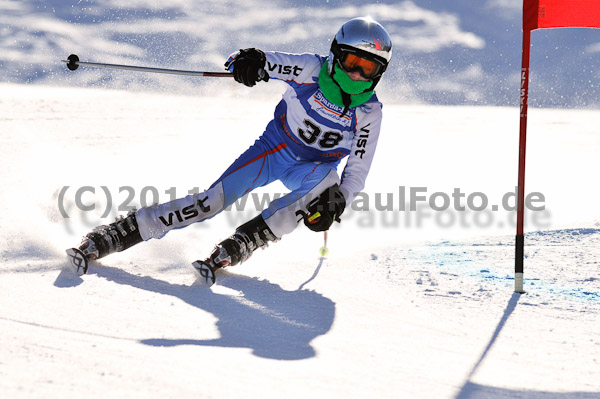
248,66
325,209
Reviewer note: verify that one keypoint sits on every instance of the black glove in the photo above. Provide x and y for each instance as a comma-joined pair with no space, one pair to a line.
249,67
325,209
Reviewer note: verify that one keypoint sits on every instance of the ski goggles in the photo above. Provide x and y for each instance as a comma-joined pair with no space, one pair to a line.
368,68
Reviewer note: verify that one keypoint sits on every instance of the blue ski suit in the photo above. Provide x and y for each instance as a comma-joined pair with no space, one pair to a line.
302,147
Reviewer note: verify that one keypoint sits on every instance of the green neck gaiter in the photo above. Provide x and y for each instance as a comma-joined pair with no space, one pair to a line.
333,90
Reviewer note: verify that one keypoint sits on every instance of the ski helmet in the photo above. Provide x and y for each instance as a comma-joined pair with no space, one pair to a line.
362,45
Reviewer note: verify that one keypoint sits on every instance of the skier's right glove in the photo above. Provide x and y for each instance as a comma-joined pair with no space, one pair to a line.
325,209
248,66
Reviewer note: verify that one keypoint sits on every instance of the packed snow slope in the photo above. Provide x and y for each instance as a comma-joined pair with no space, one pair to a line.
445,52
408,304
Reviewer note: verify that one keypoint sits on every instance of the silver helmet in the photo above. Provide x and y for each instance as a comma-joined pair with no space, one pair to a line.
363,38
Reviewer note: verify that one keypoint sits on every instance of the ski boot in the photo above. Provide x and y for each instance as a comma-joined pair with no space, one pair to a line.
235,249
123,233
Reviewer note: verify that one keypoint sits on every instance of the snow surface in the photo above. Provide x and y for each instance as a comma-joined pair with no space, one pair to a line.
407,305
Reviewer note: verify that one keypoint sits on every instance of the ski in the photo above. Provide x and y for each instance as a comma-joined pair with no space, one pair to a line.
78,261
205,272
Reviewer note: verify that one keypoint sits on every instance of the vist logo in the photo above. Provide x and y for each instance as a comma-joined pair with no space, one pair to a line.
284,69
189,212
361,143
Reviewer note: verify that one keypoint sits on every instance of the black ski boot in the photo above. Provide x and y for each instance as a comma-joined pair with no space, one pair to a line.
236,249
123,233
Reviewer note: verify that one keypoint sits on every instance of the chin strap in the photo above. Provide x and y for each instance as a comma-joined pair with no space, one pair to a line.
347,101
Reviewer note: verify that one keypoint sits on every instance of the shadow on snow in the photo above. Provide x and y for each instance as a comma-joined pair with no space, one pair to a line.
471,390
273,322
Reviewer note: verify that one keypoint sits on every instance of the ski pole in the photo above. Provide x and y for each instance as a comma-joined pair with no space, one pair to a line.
73,63
324,251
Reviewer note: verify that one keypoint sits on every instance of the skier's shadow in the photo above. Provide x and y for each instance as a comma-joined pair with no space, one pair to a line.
273,322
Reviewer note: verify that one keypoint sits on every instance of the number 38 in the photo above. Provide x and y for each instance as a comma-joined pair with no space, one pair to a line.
312,133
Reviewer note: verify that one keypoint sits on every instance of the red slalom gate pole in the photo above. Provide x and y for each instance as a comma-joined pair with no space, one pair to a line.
524,95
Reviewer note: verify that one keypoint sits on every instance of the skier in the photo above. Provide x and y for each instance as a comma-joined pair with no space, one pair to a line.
328,112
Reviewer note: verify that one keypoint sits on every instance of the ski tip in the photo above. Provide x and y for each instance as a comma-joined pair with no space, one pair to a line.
204,272
78,261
